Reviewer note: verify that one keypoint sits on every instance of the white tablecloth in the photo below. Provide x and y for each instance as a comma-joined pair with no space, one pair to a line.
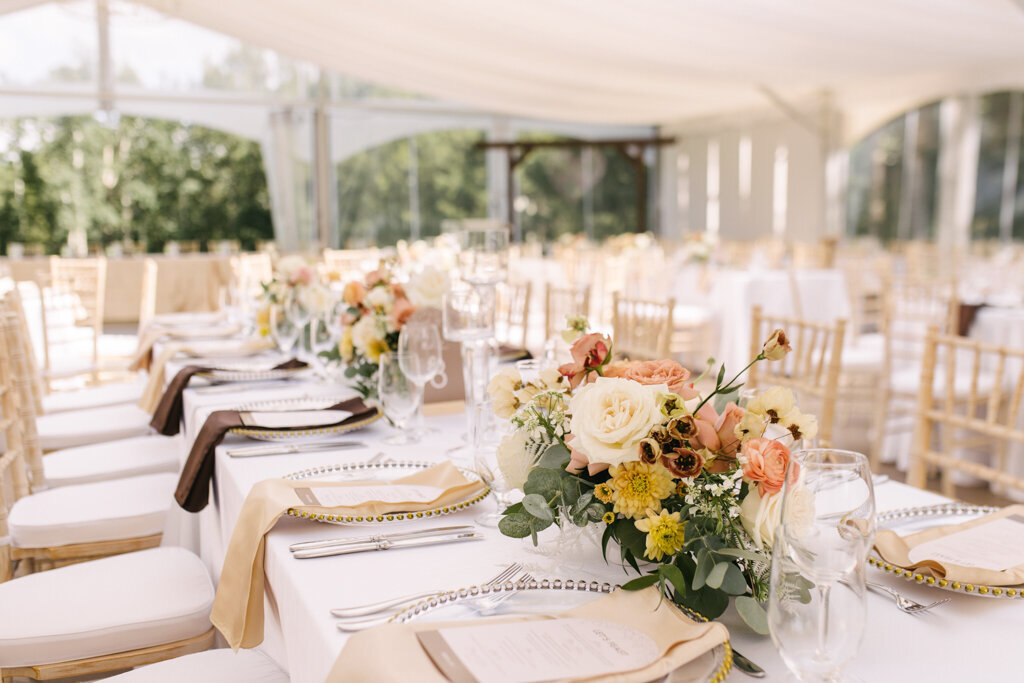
969,639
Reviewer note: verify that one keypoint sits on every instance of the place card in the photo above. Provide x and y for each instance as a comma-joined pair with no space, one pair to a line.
997,545
349,496
537,650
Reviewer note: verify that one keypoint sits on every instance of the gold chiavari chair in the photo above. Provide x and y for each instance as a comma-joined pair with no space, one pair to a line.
911,307
642,329
970,397
560,302
72,305
250,270
812,370
351,264
512,314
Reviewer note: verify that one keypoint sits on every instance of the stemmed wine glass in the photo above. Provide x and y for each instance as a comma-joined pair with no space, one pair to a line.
398,396
321,340
816,607
419,349
299,312
468,318
285,332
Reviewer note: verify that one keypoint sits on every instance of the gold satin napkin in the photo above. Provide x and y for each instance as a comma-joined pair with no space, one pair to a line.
895,549
393,652
153,333
157,368
238,606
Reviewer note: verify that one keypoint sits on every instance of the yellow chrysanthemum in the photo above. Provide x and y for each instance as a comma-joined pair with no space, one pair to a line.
665,533
604,493
345,348
375,348
637,486
608,517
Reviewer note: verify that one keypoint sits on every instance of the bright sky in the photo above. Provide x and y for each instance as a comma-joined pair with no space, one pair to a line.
165,53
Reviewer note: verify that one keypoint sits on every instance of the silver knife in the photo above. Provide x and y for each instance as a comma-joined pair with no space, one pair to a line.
388,545
292,448
435,531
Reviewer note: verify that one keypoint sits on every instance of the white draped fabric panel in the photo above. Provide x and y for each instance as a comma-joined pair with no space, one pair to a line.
650,61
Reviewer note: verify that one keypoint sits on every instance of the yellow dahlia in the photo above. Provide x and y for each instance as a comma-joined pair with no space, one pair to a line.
604,493
665,533
608,517
637,486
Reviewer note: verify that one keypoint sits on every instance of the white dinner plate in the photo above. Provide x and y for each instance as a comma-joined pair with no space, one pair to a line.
221,348
550,597
906,521
382,470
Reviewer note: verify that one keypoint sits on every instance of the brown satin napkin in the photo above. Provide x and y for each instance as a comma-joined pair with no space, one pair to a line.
966,313
238,606
193,492
393,652
895,549
154,391
167,415
510,354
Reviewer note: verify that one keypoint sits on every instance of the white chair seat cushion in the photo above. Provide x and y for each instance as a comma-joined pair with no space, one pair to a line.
908,382
111,394
212,666
95,425
687,314
101,511
115,604
112,460
863,358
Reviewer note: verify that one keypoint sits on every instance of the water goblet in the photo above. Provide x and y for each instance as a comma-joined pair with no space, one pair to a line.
468,317
398,396
419,348
816,607
285,332
485,441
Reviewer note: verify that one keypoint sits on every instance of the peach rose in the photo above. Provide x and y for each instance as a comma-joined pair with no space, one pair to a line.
725,427
617,369
766,462
578,461
589,352
303,275
402,311
354,293
398,290
374,277
662,372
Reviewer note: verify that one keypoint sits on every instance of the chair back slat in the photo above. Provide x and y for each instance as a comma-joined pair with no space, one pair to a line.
513,313
811,370
13,474
560,302
642,328
960,406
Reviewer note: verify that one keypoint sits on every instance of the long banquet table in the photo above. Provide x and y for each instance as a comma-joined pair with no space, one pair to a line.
971,638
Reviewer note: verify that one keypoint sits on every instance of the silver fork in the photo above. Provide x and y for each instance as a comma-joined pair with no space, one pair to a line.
487,604
904,603
356,613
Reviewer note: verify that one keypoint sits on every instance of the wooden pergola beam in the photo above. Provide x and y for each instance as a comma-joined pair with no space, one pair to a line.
631,148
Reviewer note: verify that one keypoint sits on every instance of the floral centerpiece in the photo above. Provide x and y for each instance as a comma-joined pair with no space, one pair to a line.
378,307
292,273
684,480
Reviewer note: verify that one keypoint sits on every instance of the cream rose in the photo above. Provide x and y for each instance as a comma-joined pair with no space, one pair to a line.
761,516
364,334
316,298
611,416
379,299
290,267
426,287
514,460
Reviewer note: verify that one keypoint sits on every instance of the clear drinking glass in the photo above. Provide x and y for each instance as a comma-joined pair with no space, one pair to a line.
483,254
419,348
816,607
285,332
468,317
321,340
486,437
398,396
298,311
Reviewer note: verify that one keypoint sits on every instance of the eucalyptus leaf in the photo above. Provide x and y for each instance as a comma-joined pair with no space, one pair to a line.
583,501
708,602
734,583
721,376
537,506
717,575
743,554
544,482
675,576
596,511
723,399
515,525
752,613
555,457
705,564
641,582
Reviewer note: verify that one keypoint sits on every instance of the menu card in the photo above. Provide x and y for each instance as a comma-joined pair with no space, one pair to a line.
347,496
997,545
535,651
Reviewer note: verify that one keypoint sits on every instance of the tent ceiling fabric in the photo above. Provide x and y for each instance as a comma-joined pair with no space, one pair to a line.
643,62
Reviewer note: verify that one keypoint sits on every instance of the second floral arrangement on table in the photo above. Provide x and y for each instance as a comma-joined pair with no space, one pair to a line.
687,480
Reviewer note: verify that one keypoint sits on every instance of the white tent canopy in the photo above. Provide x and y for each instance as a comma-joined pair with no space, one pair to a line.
649,61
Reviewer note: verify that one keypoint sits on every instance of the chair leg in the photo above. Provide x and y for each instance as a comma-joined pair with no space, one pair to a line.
878,427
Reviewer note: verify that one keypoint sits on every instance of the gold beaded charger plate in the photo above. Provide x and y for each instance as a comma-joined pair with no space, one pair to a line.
534,597
382,471
250,372
303,403
909,520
